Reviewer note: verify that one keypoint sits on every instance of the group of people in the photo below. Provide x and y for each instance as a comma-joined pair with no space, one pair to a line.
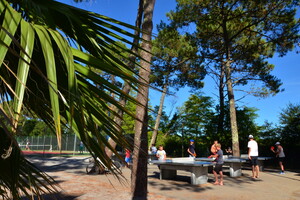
217,154
253,156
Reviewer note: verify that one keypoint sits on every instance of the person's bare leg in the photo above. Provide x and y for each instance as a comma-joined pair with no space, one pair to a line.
253,171
221,177
216,178
257,171
281,166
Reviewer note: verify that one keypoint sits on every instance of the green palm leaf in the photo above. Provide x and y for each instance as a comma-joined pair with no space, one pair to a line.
47,53
27,42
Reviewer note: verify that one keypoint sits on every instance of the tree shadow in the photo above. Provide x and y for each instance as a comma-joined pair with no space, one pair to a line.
182,182
55,196
56,164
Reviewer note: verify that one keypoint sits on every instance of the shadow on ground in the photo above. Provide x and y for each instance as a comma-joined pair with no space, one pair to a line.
182,182
56,196
56,164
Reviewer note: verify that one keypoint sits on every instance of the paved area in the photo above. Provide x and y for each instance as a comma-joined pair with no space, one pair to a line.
77,185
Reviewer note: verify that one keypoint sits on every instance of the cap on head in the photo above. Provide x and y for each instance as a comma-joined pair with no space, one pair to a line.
277,143
250,136
191,140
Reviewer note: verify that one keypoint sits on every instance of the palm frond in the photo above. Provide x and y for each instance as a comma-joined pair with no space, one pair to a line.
47,53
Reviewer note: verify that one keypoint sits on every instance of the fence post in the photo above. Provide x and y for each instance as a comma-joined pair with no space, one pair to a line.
67,142
75,141
51,141
38,140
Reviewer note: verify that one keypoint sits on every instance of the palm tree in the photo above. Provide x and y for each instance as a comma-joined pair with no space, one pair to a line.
47,52
140,151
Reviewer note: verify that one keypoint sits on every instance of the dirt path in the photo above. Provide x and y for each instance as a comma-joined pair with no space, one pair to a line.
77,185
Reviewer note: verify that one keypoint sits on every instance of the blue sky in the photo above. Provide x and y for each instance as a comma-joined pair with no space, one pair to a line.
287,68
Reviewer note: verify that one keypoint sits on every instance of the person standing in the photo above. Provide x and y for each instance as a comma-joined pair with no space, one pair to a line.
153,149
253,156
161,154
27,146
191,149
229,151
213,148
219,164
127,157
152,153
280,155
81,146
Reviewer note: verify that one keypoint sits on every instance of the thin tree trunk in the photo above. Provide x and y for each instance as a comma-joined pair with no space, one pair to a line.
126,88
139,180
232,110
220,128
157,121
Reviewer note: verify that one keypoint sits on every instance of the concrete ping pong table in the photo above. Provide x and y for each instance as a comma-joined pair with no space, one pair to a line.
260,160
235,163
199,169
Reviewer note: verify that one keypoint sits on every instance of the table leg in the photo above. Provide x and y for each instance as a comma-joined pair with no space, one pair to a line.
261,165
235,169
167,173
199,175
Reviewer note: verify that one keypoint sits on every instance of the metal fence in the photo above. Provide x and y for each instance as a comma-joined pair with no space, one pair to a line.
48,143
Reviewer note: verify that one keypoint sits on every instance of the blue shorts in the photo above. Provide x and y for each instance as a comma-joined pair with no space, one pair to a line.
128,160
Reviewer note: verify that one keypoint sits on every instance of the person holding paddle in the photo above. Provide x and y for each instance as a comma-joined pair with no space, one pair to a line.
191,149
219,164
280,155
213,148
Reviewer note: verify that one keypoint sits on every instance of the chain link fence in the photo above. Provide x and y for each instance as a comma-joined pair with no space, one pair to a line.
49,143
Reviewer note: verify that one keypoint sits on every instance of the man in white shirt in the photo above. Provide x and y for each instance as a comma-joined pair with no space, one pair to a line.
253,155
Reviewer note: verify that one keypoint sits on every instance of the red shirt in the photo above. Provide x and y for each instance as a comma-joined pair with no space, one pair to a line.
127,153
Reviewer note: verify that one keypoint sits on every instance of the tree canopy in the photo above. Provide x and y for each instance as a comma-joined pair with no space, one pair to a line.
236,38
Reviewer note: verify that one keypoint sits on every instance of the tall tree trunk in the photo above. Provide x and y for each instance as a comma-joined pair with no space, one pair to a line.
232,110
126,88
139,180
157,121
220,128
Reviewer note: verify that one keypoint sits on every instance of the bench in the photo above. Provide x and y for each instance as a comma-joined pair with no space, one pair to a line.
199,170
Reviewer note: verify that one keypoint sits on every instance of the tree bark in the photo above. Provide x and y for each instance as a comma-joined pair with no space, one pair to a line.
139,177
232,110
157,121
220,128
126,88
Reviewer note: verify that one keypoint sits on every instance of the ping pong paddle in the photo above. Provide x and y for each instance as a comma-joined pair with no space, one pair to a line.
272,148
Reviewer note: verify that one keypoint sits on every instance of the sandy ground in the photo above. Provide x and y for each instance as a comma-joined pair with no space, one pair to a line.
77,185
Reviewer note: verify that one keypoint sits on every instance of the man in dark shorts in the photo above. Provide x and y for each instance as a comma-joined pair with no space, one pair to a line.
280,155
219,164
253,155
